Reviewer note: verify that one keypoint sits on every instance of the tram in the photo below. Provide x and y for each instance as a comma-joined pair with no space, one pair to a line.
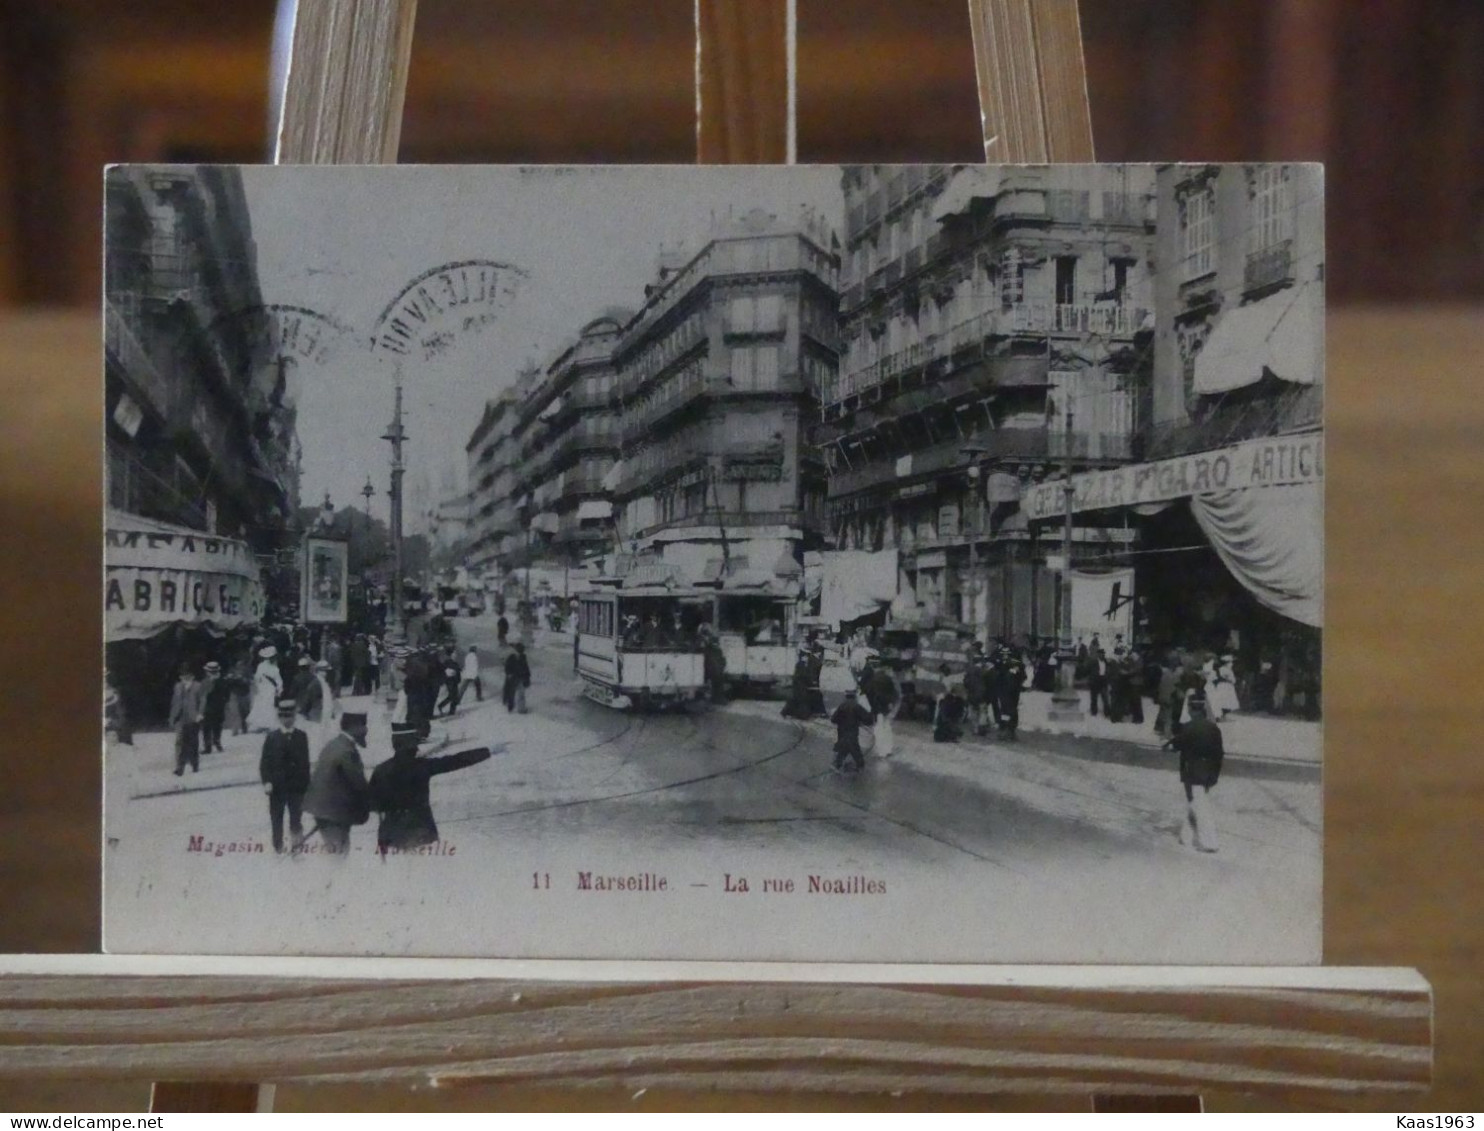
755,623
639,644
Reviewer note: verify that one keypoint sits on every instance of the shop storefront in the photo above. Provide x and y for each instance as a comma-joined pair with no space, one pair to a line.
171,595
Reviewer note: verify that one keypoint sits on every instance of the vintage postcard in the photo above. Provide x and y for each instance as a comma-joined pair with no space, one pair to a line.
863,563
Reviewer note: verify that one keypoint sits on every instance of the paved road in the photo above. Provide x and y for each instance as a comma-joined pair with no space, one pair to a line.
1052,847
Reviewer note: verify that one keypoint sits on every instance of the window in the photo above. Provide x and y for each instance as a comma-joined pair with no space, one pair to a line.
1066,280
755,368
755,314
1198,231
1269,191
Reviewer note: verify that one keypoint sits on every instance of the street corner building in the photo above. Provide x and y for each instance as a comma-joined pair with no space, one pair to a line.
201,449
628,480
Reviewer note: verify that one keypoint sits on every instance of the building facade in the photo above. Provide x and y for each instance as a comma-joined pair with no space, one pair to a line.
489,456
569,428
1239,369
199,418
995,327
202,471
720,375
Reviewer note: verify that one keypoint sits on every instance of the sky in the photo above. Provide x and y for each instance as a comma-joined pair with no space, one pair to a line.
344,242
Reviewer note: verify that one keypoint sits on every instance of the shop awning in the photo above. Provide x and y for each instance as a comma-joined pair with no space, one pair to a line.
157,575
1282,334
594,508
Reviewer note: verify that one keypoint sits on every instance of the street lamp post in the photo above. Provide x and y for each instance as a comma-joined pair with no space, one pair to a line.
1065,704
396,435
978,455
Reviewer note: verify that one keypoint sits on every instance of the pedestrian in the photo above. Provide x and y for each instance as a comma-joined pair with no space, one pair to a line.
375,650
115,718
338,797
185,718
414,677
714,666
848,718
267,689
1007,693
1164,696
1097,678
239,700
399,790
502,627
948,715
215,690
881,696
1201,754
310,694
1133,667
1118,685
471,675
1224,693
448,668
283,769
977,688
796,706
815,698
360,665
303,686
517,679
334,657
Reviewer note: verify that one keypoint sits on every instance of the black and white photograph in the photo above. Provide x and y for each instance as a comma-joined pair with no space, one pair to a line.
799,563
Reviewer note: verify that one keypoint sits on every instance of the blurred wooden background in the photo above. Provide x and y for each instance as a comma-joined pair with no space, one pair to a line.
1389,93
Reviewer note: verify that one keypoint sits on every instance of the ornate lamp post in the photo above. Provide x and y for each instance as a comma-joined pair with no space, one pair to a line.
1065,704
977,455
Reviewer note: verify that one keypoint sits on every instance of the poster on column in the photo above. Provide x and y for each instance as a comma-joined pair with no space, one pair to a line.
326,585
714,427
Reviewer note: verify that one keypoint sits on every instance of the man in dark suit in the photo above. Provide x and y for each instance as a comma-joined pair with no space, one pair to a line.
1201,754
284,770
399,789
186,702
338,796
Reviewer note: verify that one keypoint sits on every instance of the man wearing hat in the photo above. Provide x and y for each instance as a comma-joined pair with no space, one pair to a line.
399,789
338,796
215,691
284,772
848,718
185,719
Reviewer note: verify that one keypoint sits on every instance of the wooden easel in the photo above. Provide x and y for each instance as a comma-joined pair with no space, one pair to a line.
1136,1038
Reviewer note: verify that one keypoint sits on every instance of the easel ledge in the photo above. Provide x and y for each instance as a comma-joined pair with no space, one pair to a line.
1306,1032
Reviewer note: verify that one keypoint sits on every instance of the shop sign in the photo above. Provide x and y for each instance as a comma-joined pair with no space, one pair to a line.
157,575
1269,462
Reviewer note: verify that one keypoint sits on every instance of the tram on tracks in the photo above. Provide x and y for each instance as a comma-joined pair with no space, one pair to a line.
755,624
639,643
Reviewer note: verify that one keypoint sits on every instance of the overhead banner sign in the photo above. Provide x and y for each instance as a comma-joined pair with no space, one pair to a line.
1269,462
157,575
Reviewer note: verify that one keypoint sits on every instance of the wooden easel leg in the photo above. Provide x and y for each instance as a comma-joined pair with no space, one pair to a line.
177,1095
1179,1102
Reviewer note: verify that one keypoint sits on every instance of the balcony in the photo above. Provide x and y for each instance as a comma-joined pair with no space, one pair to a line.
1007,443
729,520
1107,319
1268,267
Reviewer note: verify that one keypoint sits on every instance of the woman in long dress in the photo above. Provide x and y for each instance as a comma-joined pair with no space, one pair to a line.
1224,693
267,687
